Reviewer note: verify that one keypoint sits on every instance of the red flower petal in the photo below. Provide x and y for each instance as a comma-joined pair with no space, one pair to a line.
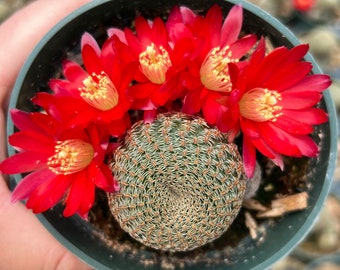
306,146
249,157
278,140
99,178
73,72
159,33
48,193
266,150
24,121
59,106
232,25
212,26
133,42
297,53
116,113
82,118
292,125
32,141
288,144
211,109
149,116
117,128
87,201
24,162
141,90
117,32
310,116
91,60
315,82
62,87
30,183
253,132
88,40
288,76
249,128
47,123
257,55
300,100
143,104
143,28
226,125
192,102
266,67
164,92
80,197
242,46
263,147
178,21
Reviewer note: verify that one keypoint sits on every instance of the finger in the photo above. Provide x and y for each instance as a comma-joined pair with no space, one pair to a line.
3,136
22,31
25,243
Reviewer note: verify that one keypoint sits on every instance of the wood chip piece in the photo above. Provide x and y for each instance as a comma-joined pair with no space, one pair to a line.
286,204
251,225
253,204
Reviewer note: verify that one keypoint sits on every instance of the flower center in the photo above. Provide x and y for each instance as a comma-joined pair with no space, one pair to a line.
214,71
260,105
99,92
70,156
154,63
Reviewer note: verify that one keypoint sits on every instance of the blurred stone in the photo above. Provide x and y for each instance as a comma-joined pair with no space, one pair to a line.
4,10
328,262
278,8
326,11
7,7
323,43
269,6
288,263
325,235
327,266
335,93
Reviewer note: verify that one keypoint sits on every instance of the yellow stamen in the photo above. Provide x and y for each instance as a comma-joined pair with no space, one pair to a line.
70,156
154,63
99,92
260,105
214,71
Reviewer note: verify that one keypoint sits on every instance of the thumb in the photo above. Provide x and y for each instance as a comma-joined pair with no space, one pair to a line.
21,32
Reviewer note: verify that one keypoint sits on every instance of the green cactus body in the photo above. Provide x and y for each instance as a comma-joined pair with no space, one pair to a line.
181,183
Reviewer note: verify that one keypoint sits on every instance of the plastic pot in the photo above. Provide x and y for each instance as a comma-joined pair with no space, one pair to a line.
77,235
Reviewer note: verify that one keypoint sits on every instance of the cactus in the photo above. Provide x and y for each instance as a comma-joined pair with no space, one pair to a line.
181,183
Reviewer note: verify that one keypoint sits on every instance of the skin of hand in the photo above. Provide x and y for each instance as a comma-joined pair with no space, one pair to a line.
25,243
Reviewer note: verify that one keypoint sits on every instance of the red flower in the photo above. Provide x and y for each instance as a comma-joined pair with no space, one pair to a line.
273,104
160,63
217,45
59,161
201,63
96,94
304,5
180,23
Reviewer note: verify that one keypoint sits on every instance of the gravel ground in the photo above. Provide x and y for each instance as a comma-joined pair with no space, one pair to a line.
321,248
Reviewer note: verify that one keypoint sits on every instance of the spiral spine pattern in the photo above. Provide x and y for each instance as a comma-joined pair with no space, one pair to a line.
181,183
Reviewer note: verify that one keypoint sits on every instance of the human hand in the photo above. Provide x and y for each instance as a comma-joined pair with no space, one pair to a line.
25,243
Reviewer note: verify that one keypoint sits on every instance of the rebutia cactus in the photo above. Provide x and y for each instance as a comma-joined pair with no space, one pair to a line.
182,183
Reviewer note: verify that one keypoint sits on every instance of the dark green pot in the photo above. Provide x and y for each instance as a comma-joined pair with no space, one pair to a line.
77,235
